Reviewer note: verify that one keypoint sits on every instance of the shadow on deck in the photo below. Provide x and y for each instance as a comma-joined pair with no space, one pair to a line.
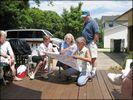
53,88
117,57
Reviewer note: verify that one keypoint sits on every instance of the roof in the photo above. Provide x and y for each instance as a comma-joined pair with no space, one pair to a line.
124,16
109,18
127,16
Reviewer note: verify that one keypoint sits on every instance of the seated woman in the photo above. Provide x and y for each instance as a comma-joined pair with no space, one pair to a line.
68,47
6,54
40,57
83,62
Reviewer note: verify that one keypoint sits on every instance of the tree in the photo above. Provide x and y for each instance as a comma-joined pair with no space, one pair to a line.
101,33
72,21
11,11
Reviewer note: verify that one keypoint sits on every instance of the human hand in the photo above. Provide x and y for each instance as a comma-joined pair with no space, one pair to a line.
75,57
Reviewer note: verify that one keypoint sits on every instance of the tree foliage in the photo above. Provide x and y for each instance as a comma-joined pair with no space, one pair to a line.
72,21
101,34
12,12
17,14
9,12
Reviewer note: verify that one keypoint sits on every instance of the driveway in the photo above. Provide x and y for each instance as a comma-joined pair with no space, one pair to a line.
107,59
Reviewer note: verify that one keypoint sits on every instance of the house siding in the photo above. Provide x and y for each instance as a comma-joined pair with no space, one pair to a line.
117,32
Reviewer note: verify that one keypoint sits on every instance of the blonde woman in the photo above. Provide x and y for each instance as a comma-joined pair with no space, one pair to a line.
68,47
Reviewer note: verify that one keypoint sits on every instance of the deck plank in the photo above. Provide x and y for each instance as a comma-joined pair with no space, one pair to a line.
99,88
110,86
70,92
104,89
90,90
82,92
117,89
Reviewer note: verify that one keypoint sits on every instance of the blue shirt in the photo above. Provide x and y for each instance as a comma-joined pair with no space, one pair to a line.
89,30
73,49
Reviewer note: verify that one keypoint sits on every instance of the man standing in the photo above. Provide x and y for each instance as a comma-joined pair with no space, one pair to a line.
90,33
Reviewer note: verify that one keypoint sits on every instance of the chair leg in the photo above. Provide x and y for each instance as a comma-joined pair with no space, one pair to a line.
2,75
59,72
4,81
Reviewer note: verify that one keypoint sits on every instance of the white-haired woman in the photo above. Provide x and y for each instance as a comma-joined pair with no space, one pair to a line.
68,47
6,53
84,62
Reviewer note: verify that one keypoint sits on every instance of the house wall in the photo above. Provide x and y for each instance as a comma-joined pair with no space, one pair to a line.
130,38
117,32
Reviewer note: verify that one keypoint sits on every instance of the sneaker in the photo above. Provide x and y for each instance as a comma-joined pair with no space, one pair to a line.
115,78
32,76
125,73
93,72
17,79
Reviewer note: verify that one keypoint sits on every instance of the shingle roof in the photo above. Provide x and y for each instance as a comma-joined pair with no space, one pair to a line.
108,18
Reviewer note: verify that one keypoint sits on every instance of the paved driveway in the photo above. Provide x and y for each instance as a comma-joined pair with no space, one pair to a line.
107,59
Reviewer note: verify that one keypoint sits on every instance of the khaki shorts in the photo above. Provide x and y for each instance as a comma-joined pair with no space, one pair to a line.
93,49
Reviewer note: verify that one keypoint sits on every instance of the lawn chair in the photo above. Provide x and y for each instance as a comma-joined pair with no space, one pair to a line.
59,64
21,51
4,68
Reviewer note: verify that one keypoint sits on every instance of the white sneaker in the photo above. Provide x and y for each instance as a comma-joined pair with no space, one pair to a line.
93,72
115,78
125,73
32,76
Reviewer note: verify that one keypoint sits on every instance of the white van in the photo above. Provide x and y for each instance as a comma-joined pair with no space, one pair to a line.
32,36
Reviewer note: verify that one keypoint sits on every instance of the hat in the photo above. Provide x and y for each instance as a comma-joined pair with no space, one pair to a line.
85,13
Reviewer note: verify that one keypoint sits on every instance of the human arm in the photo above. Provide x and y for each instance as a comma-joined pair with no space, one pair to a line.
71,49
64,48
96,37
96,32
10,52
87,57
4,55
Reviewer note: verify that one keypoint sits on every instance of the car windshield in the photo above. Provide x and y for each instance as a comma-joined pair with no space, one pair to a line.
48,33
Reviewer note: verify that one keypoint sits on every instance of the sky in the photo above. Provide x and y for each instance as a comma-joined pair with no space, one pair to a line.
97,8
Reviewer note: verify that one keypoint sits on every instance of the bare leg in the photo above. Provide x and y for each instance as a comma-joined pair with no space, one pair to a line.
40,64
93,72
93,62
13,70
12,66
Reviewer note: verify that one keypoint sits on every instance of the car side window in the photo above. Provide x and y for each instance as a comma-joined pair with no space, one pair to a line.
12,34
25,34
37,34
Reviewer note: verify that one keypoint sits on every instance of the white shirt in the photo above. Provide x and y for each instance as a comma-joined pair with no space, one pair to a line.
6,49
83,65
42,48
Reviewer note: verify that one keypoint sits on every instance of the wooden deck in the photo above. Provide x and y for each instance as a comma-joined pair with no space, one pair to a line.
53,88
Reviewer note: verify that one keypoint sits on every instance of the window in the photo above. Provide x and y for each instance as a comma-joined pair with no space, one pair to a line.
37,34
25,34
110,24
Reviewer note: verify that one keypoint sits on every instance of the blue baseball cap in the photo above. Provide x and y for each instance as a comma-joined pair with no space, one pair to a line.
85,13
